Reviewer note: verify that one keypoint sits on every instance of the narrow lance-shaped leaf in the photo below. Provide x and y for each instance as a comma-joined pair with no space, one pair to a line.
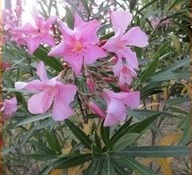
136,166
81,136
155,151
41,54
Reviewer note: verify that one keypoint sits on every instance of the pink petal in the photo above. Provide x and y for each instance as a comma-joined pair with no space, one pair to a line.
61,111
120,20
136,37
111,44
132,99
36,85
117,68
126,75
76,63
65,30
32,44
50,22
93,53
41,102
89,32
33,85
58,50
130,57
41,71
39,21
116,112
20,85
78,21
66,93
48,39
26,29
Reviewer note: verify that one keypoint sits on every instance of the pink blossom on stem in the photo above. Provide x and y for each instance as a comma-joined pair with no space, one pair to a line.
9,107
90,84
79,45
119,42
117,105
37,33
48,92
124,72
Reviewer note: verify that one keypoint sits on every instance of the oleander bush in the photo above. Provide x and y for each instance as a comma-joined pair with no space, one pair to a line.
97,88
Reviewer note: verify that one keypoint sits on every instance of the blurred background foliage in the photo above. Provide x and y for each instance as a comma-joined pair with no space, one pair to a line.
39,145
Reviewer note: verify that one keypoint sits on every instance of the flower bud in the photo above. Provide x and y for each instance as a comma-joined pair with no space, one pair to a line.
96,109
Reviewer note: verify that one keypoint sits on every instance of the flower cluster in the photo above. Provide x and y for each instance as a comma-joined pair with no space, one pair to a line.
11,20
86,56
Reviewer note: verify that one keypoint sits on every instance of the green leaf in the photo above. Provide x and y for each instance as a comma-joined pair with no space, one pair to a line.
66,162
187,130
165,76
119,168
176,101
41,54
42,156
53,141
20,98
85,4
71,161
105,134
34,119
135,128
43,148
125,141
151,68
136,166
95,167
176,65
69,18
155,151
96,152
124,126
97,140
32,131
108,168
142,113
170,73
83,138
107,36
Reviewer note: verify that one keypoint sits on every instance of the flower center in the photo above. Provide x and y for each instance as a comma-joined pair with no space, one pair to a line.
78,46
120,44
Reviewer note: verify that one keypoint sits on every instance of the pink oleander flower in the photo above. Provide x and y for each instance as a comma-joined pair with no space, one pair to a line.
48,93
117,104
9,107
121,41
79,46
37,33
124,72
